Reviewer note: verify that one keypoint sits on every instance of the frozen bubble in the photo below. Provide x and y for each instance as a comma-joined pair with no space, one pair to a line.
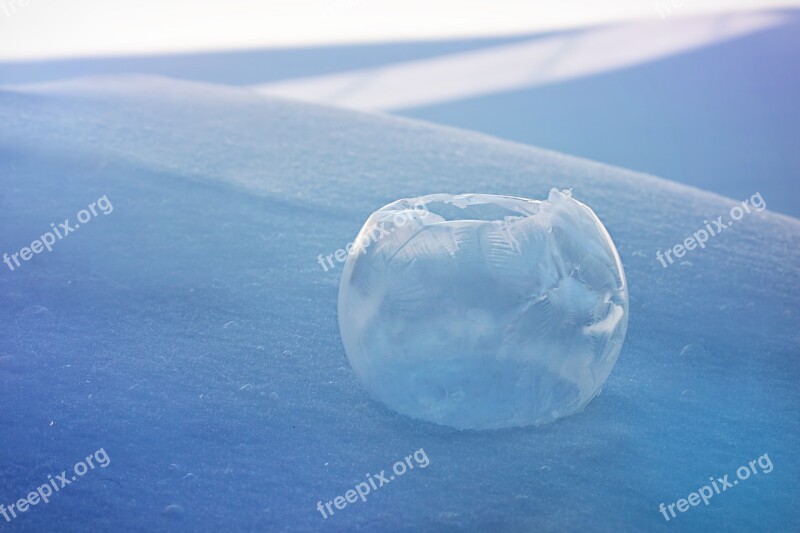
481,311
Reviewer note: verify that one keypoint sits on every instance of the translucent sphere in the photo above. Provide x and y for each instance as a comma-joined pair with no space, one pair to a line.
481,311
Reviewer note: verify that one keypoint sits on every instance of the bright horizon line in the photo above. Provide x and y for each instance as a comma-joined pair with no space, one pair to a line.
36,30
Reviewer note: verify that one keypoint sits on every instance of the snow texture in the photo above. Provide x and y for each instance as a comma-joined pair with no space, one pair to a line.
482,311
192,331
708,101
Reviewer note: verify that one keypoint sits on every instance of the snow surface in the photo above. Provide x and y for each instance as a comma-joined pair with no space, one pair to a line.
481,311
539,61
192,331
724,118
708,101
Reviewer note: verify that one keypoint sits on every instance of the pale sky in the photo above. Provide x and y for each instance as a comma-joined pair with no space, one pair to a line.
78,28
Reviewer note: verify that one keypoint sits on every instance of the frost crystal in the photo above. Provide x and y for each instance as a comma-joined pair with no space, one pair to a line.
482,311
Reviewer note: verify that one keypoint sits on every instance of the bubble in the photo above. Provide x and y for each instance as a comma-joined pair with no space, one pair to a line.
484,311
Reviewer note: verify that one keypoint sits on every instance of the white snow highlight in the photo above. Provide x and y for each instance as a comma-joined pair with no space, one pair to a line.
503,68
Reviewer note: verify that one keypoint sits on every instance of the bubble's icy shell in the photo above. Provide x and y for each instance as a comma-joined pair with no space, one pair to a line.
481,311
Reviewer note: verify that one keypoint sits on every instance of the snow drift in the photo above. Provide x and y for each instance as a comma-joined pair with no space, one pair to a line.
193,336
